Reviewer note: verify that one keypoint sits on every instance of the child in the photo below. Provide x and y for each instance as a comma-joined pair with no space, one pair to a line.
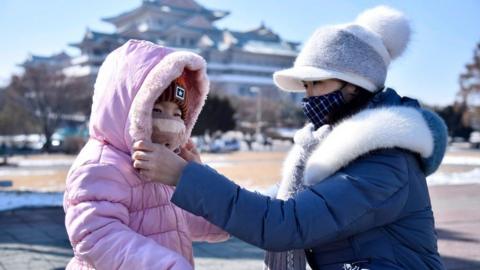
169,115
114,218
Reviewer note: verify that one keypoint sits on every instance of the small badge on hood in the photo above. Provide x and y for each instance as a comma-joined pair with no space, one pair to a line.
180,93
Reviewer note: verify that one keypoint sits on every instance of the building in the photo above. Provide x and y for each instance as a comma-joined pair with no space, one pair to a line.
55,62
238,61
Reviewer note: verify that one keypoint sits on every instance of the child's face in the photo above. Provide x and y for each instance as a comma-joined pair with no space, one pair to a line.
167,109
167,125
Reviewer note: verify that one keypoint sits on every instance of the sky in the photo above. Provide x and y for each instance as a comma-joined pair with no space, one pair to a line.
444,36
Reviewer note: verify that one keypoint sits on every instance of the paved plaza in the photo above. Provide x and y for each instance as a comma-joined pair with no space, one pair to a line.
35,238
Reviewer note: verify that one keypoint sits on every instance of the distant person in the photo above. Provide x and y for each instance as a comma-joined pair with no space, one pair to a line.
3,153
267,143
114,219
249,141
353,193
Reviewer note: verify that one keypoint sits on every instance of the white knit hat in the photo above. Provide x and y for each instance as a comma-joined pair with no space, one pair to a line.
358,52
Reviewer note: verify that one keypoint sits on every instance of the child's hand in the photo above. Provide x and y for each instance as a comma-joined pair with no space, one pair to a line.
157,163
190,153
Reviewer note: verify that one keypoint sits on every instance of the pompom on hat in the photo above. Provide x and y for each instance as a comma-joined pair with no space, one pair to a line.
358,52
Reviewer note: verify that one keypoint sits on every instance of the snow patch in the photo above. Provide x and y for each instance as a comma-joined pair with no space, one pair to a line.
219,164
44,162
17,199
470,177
451,160
26,172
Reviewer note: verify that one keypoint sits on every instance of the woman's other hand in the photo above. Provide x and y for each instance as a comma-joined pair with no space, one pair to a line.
157,163
189,152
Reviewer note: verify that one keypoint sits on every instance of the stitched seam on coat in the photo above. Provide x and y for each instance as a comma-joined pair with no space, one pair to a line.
388,235
128,184
297,222
167,231
91,231
378,205
75,172
368,211
262,228
99,162
103,200
114,167
150,207
99,200
335,219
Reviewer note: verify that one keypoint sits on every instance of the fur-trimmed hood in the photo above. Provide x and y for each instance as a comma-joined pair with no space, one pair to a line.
130,80
390,122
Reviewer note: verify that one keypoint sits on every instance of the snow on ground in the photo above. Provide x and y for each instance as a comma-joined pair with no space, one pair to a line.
43,162
17,199
219,164
459,160
50,166
459,178
23,172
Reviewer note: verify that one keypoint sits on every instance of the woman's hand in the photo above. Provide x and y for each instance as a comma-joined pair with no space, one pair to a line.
157,163
190,153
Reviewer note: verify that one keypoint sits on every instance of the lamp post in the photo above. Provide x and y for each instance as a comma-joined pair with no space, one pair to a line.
256,90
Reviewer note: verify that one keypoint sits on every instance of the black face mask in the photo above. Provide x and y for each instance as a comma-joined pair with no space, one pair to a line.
318,108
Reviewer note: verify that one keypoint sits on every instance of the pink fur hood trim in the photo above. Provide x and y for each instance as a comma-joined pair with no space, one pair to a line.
130,80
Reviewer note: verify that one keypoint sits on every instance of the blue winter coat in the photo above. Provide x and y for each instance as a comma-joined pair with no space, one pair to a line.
369,209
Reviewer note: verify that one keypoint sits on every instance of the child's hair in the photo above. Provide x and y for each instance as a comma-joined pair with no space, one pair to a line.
176,92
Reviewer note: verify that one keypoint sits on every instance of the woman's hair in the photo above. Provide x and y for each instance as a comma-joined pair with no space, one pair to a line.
359,102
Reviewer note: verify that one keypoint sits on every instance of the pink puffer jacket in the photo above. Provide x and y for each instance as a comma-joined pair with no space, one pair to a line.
114,218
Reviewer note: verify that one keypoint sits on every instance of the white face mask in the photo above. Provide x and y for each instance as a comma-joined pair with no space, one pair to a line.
169,132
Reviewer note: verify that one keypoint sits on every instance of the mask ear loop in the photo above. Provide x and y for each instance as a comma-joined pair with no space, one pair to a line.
341,88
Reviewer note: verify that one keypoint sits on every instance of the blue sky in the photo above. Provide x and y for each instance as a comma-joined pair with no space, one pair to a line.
444,32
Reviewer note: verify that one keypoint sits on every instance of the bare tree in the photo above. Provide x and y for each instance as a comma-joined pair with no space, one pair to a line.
49,96
469,95
14,118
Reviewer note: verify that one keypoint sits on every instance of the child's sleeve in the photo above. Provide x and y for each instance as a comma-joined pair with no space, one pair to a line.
202,230
96,205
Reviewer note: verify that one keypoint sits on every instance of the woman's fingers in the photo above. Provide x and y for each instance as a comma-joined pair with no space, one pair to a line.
186,154
143,146
194,150
145,173
140,164
190,154
141,155
190,144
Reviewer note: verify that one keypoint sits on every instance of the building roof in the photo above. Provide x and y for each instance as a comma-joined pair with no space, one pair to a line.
262,40
193,28
198,21
60,59
182,7
91,36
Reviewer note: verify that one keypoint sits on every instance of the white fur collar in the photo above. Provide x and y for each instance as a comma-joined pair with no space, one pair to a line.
307,135
371,129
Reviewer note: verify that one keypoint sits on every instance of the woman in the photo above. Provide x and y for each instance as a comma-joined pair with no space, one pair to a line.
353,193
